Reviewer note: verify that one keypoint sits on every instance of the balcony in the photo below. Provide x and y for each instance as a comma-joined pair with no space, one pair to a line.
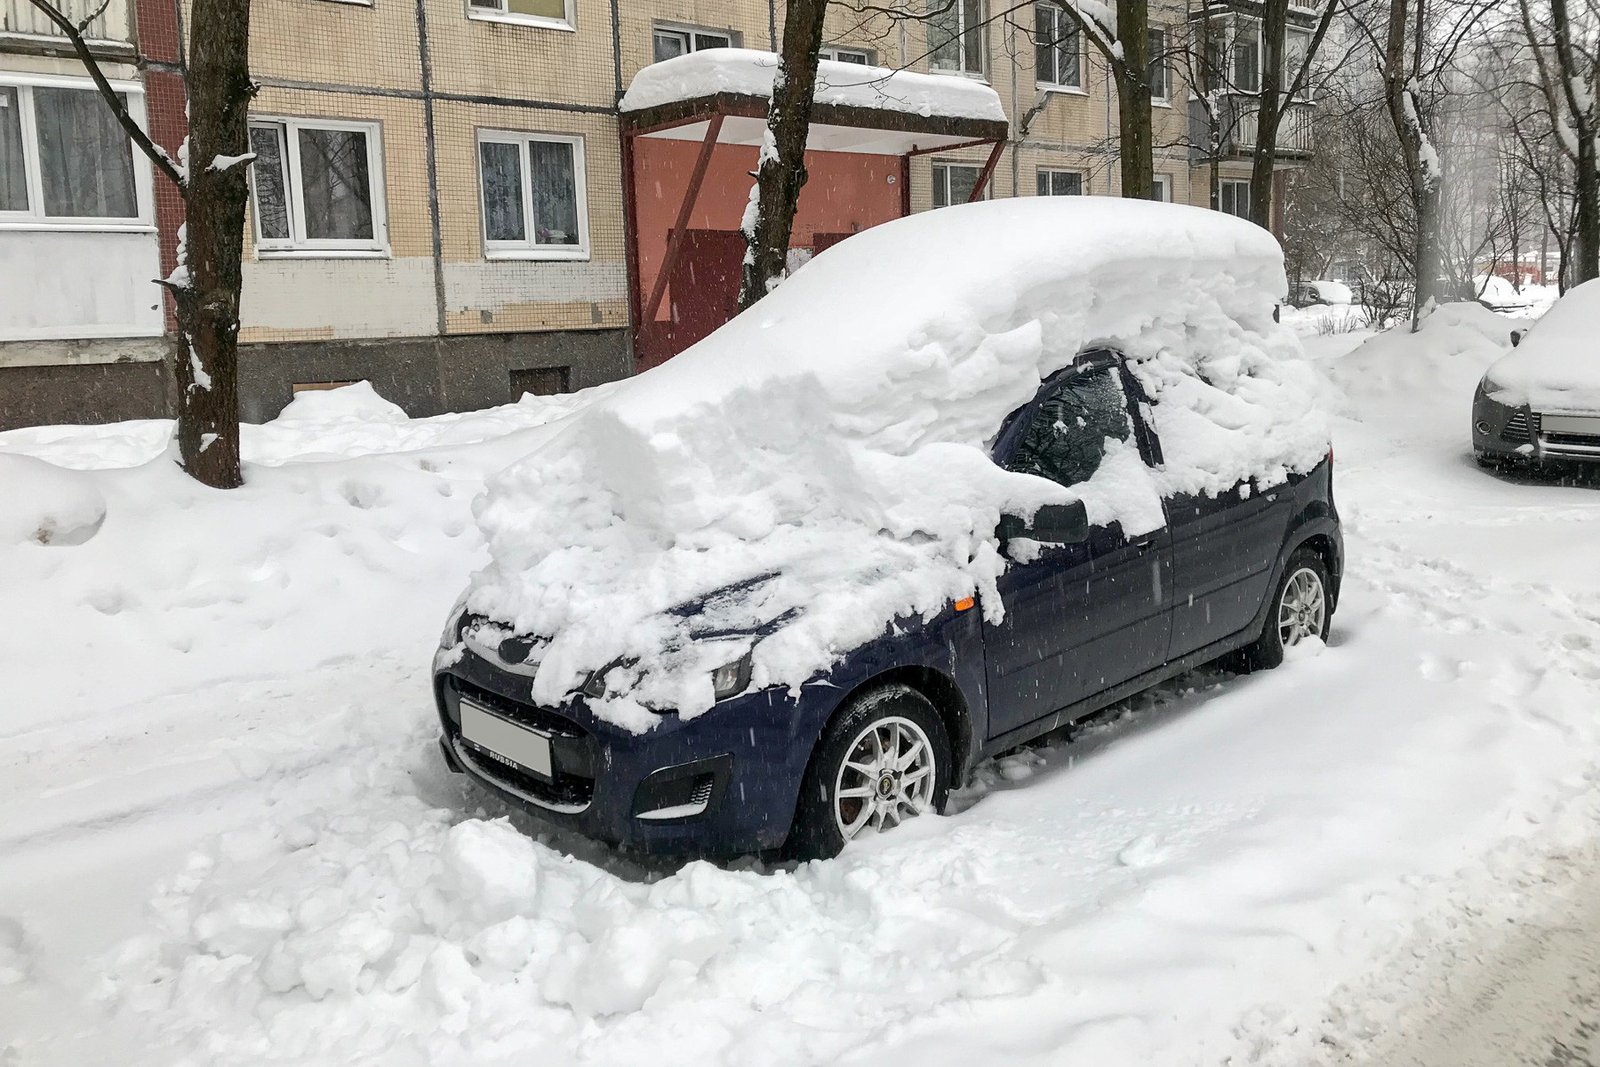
24,27
1237,121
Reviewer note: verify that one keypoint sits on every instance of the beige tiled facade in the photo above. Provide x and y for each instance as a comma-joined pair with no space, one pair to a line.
405,66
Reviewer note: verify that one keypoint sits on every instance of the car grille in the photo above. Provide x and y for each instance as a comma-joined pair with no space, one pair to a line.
1518,430
569,790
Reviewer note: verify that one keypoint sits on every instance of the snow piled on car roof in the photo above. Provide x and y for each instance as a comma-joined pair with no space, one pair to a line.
1554,369
820,466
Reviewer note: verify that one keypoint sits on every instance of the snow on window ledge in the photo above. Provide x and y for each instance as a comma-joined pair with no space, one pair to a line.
512,19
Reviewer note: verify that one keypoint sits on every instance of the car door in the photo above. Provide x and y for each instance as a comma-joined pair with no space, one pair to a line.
1223,551
1083,617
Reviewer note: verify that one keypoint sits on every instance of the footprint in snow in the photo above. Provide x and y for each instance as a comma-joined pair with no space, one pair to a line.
1146,851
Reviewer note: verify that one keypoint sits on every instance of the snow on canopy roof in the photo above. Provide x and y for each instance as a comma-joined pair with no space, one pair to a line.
1555,367
748,72
820,466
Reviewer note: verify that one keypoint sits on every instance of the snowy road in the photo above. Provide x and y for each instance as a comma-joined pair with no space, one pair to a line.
226,837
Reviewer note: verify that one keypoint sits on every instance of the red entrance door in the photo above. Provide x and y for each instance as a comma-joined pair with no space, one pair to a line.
705,284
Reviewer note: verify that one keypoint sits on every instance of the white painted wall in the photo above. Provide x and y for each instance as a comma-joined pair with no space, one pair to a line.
62,284
351,297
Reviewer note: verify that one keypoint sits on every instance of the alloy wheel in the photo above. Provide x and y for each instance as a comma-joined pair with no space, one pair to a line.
886,777
1303,609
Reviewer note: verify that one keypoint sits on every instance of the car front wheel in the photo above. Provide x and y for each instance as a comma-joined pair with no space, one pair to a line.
1300,610
883,760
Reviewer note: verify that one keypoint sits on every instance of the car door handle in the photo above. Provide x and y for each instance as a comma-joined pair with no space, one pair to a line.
1144,546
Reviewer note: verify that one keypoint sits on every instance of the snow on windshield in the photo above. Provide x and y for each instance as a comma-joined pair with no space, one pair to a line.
822,463
1554,368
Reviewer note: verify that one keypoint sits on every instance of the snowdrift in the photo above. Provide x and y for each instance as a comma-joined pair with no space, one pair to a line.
1556,367
819,466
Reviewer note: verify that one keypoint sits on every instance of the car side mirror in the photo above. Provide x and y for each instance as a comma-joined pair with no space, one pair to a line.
1053,524
1516,337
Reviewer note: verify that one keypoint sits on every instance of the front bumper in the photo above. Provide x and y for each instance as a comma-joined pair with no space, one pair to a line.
722,783
1523,435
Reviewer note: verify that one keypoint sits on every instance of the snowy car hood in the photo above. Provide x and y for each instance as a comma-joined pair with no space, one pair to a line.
1556,367
836,437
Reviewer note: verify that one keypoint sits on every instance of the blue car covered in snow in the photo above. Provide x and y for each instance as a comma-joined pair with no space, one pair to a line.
1171,505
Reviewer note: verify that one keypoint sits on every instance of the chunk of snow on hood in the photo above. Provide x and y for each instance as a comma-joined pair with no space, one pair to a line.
47,504
748,72
834,441
1556,367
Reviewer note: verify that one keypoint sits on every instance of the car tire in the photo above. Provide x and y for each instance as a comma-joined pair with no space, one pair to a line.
831,810
1301,607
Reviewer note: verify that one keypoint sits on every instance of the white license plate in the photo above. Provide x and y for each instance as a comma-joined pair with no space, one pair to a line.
506,739
1580,424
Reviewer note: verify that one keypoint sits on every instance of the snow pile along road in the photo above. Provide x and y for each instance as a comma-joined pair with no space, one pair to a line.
820,465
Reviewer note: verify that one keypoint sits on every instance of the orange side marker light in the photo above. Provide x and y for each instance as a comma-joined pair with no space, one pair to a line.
965,603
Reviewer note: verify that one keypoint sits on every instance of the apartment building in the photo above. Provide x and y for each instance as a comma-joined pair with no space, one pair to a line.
439,198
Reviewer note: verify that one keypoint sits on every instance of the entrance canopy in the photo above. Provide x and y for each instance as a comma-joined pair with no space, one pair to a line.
691,128
856,108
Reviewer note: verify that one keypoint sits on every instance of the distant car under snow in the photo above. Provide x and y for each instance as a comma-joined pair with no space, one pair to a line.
1541,403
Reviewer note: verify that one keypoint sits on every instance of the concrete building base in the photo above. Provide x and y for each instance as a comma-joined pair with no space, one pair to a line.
423,375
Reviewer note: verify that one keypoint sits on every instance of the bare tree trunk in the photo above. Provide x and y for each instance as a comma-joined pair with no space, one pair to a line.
206,285
1402,95
781,170
1137,141
208,307
1577,85
1269,111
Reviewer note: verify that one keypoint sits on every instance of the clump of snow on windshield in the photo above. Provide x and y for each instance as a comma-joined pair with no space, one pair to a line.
747,72
820,466
47,504
1554,369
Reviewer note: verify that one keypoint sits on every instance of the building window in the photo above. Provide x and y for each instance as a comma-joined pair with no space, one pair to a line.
552,14
65,161
1160,67
859,56
540,381
1233,197
1057,48
1296,44
1162,188
1060,183
673,41
318,186
1246,52
534,196
957,37
953,183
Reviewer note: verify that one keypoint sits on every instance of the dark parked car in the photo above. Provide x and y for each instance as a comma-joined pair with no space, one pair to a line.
1091,617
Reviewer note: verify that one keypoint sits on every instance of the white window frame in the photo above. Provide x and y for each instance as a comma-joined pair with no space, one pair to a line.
1062,21
33,217
499,11
297,245
691,36
944,165
1083,181
1237,184
528,248
1163,182
961,70
1305,93
1164,99
835,52
1245,27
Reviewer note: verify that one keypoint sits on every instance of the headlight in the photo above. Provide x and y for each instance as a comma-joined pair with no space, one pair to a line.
731,679
452,627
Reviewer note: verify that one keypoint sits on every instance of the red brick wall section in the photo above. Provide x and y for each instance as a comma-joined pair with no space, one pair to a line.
167,107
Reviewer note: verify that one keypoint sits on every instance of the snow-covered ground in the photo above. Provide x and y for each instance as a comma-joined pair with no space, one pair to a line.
226,836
